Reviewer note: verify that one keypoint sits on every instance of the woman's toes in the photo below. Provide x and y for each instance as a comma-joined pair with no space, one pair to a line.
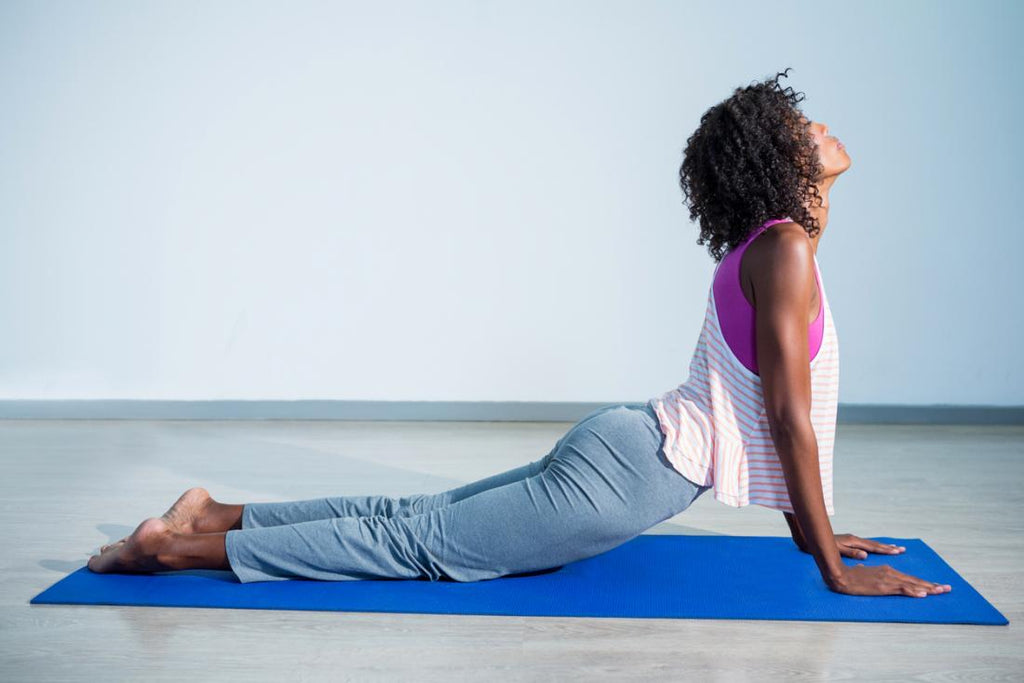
109,560
137,553
104,548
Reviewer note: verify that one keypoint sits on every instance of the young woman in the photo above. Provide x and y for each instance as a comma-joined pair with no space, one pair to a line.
755,420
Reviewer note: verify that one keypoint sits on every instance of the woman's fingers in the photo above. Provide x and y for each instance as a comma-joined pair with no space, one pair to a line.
924,592
920,586
886,548
876,547
860,547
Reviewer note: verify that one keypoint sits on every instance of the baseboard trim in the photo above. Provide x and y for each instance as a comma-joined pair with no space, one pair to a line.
490,411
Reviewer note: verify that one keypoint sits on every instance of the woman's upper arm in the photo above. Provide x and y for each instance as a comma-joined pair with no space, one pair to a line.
783,292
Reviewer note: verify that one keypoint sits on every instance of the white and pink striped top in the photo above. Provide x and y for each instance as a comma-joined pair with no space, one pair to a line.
715,426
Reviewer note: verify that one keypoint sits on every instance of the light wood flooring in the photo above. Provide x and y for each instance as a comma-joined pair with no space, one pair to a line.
69,486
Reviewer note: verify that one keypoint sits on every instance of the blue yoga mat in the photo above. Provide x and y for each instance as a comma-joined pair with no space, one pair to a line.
650,576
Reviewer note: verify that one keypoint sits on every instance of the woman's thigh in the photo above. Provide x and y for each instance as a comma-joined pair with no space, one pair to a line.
603,486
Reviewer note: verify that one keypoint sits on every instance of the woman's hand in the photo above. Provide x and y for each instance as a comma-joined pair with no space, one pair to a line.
883,580
880,579
858,548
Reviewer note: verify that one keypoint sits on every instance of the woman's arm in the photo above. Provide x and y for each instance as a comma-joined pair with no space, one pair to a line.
783,279
794,530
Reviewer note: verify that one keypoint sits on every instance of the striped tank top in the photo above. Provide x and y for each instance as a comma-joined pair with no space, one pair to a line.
715,426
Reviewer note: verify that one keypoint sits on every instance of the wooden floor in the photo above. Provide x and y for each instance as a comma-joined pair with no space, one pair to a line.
70,486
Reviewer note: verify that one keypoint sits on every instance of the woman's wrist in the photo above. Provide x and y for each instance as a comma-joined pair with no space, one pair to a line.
831,565
833,580
827,557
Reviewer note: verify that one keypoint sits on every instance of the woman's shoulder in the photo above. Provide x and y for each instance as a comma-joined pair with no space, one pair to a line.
777,258
787,239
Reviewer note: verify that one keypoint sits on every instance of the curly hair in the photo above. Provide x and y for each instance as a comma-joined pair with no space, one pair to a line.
752,159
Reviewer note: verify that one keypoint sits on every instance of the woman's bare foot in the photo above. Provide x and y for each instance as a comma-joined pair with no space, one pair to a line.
192,513
154,547
138,552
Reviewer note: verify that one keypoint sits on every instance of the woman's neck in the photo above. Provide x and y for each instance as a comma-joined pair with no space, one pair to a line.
820,212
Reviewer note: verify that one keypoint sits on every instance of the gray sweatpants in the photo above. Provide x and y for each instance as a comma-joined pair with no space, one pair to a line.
605,481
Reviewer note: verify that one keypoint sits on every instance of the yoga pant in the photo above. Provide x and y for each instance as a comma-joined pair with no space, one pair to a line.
606,481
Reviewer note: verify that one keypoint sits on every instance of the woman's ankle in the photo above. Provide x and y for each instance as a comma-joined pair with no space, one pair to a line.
227,516
195,551
221,517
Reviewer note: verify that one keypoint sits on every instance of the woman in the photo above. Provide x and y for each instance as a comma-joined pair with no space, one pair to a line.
760,399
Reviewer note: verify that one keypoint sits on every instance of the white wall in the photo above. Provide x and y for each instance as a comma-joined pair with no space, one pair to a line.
479,201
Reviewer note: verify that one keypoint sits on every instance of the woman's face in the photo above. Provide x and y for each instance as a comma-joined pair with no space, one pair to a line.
831,152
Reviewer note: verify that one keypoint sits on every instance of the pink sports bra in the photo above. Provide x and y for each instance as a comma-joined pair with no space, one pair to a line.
736,315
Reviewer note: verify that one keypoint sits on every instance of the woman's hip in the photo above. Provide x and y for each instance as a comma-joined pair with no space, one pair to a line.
616,452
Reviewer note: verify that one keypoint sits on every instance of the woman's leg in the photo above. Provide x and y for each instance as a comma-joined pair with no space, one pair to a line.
198,523
195,512
606,483
254,515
